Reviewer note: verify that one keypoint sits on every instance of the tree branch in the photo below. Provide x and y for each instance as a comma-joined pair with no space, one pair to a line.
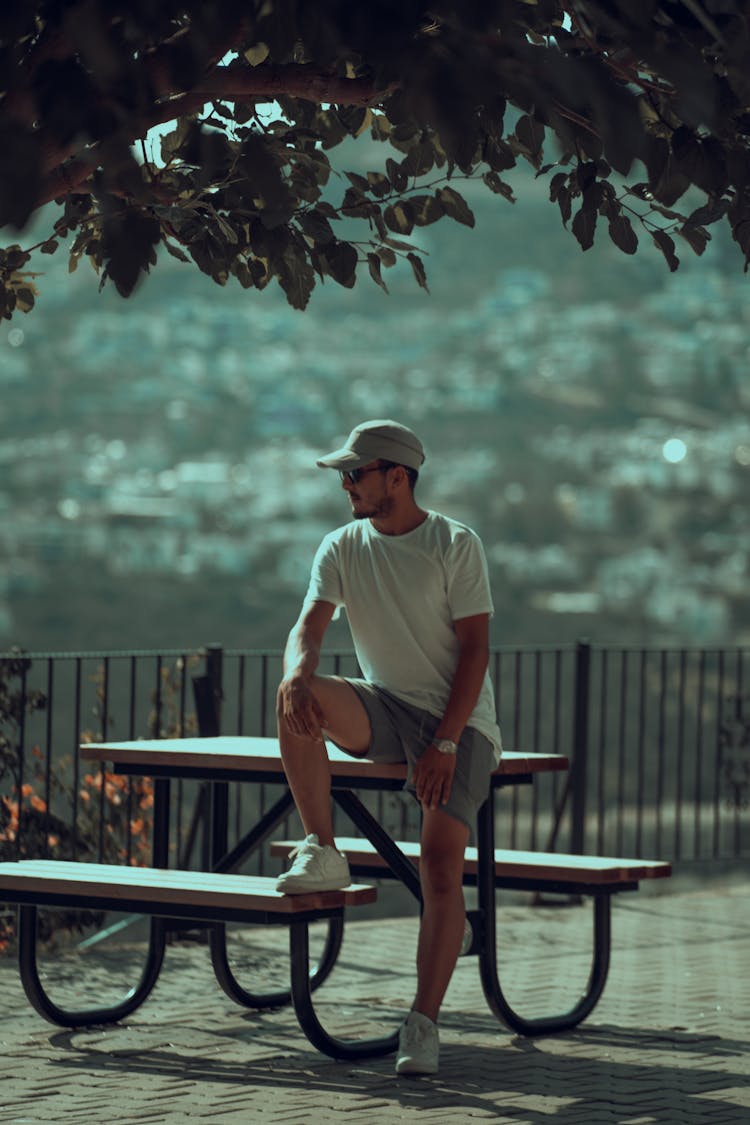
66,175
295,80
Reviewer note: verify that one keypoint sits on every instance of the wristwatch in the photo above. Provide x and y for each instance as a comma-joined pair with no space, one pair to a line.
445,745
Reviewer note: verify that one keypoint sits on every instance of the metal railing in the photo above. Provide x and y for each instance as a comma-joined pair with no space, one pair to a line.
659,742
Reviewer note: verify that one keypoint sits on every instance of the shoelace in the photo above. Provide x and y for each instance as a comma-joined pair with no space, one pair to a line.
414,1035
299,849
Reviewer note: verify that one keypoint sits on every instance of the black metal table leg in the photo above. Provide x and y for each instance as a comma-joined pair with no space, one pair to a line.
27,944
41,1002
359,814
308,1020
240,995
488,945
227,861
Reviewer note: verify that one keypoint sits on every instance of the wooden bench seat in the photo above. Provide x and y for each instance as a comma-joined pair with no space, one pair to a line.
207,896
148,890
514,867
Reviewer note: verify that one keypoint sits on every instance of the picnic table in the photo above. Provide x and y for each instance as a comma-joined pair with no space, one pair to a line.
257,760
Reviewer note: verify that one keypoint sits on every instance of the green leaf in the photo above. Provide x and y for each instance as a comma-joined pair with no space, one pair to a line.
175,251
531,136
741,235
396,175
697,237
374,264
418,269
257,54
25,299
387,256
498,155
327,209
127,245
355,206
427,209
419,160
399,217
455,206
357,181
296,278
498,186
172,142
341,260
565,203
666,245
622,234
584,226
380,185
316,227
397,245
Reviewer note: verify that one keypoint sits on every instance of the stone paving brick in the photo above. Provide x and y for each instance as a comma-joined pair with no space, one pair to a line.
667,1044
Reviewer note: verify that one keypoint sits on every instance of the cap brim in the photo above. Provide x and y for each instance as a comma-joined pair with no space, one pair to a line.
342,459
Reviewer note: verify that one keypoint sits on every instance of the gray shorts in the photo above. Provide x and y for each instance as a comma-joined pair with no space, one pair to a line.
400,732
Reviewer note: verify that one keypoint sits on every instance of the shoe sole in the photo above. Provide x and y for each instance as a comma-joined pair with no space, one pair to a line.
415,1068
295,888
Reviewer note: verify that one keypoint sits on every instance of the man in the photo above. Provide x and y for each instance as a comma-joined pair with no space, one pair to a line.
415,588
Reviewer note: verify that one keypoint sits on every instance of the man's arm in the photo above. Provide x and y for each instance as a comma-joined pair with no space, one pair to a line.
433,774
301,658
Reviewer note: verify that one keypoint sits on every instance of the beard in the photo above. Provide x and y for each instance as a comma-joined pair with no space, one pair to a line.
378,509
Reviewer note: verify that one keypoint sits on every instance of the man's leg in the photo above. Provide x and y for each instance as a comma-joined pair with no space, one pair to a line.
306,760
444,840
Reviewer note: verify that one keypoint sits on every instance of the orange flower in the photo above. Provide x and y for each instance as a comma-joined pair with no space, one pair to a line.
38,804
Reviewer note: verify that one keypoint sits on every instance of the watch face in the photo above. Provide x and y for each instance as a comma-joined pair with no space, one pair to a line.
446,746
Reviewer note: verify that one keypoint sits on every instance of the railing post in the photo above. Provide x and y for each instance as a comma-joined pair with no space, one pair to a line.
208,692
579,765
216,839
214,671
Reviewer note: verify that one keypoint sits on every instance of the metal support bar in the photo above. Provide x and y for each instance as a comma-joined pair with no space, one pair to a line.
321,1039
487,952
49,1010
360,815
231,860
227,862
240,995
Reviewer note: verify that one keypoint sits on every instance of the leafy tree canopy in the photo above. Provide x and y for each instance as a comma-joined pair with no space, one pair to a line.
623,105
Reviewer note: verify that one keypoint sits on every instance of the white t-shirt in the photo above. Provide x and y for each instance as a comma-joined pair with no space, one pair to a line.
402,594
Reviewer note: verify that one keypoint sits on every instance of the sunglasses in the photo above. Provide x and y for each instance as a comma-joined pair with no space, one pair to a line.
354,476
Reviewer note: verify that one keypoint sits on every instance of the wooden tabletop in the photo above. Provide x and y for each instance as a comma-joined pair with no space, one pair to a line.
240,753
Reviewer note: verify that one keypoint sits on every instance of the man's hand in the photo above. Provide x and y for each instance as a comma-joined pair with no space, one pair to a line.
299,707
433,777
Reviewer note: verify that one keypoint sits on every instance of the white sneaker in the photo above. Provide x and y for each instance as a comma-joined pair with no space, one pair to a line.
418,1046
315,868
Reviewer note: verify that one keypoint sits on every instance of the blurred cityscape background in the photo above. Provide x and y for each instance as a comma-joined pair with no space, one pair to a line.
586,414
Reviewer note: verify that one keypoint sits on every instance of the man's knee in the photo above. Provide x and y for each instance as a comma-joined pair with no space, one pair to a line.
440,872
443,844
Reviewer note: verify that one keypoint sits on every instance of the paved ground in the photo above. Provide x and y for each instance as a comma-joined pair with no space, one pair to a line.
669,1041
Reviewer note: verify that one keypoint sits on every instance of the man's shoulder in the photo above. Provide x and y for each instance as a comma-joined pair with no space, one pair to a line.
348,533
450,530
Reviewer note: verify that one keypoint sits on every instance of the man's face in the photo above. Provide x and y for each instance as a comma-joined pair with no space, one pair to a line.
368,494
